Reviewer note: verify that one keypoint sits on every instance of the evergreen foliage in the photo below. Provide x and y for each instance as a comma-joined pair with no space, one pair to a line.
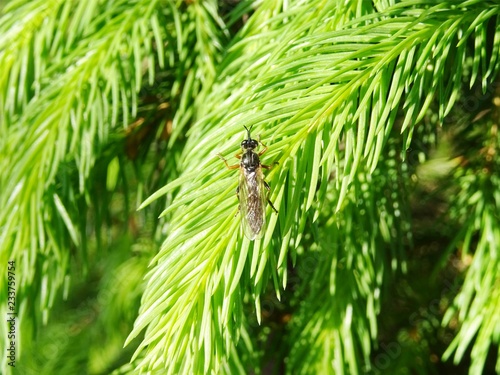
110,106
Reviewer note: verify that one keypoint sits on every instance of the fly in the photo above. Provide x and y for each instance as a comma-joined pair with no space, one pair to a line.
252,190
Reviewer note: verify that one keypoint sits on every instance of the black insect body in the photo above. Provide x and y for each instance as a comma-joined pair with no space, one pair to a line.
252,189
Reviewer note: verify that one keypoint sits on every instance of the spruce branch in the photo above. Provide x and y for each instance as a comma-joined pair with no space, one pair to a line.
69,84
475,207
336,90
324,96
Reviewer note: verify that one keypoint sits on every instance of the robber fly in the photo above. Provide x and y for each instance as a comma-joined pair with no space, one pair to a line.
252,189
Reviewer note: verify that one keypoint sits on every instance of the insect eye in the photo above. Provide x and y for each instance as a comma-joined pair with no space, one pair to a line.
244,144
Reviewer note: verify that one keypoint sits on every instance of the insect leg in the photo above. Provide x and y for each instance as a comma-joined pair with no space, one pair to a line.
264,149
269,166
272,206
268,200
227,165
239,205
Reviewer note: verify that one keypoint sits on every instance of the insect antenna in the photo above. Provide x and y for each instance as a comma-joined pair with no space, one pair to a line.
248,132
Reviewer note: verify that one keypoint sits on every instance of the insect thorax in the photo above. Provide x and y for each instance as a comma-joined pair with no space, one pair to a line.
250,161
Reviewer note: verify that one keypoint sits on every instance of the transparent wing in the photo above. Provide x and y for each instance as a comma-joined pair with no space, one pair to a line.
252,195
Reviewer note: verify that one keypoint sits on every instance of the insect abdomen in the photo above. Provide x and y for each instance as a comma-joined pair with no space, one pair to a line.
253,203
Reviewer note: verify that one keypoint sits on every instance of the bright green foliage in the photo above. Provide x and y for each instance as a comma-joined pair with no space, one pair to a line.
334,326
477,208
338,90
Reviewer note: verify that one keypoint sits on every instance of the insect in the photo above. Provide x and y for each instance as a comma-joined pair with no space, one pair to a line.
252,190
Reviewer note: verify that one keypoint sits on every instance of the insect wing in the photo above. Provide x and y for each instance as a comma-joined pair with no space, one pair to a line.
252,195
